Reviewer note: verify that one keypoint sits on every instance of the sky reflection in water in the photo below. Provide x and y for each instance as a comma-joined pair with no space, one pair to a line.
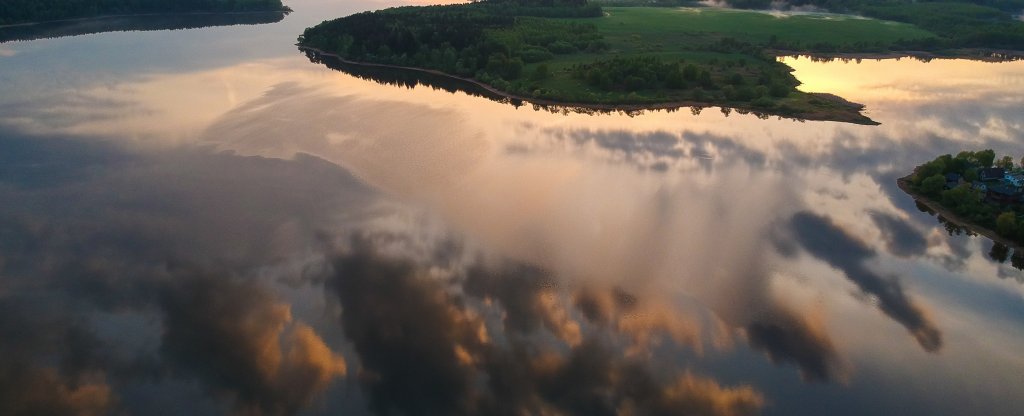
247,231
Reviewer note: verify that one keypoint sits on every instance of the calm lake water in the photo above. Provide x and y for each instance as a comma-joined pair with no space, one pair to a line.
205,222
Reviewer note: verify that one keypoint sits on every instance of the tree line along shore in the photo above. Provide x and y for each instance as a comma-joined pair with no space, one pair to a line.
577,52
31,11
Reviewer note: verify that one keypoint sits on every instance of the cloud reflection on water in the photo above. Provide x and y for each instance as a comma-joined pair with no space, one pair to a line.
431,354
823,239
577,264
172,237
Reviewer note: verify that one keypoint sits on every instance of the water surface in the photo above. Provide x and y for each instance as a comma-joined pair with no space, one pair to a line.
205,222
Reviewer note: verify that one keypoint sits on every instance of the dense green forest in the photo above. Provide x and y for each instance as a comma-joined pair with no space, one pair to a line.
21,11
462,40
967,196
959,23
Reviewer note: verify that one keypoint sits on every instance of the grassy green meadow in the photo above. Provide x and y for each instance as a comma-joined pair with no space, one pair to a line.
694,36
685,28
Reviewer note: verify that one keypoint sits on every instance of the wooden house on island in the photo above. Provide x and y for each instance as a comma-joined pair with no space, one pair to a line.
1004,193
991,174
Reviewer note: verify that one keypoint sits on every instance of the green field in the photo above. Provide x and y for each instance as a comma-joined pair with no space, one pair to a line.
693,35
685,28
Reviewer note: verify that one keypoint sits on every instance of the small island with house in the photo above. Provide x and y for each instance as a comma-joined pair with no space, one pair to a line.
974,190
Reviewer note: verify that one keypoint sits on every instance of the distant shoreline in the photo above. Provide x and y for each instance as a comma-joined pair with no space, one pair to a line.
286,10
983,55
618,107
953,217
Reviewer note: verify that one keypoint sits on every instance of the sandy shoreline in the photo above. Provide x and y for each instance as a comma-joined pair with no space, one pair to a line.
616,107
953,217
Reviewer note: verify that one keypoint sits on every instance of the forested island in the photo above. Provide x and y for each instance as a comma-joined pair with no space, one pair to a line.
132,23
30,11
974,190
580,53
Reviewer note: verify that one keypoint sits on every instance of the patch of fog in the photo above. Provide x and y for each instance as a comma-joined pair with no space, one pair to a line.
778,9
696,10
817,14
807,11
783,5
715,3
776,5
1021,16
7,52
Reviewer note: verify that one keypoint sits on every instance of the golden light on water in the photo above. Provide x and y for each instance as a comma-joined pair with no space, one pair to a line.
903,79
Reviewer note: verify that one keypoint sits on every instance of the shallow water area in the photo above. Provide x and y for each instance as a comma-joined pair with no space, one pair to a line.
205,222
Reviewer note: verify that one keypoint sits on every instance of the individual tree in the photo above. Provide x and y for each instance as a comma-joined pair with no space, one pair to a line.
705,79
1017,261
932,185
999,252
957,164
1006,162
962,199
778,89
947,163
985,157
966,155
928,170
760,91
970,174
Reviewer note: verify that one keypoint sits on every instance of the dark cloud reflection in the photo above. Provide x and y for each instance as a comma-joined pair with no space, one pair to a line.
152,276
790,338
830,243
900,237
232,334
424,350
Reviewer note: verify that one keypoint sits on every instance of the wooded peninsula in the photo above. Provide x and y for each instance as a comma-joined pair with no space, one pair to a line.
30,11
581,53
974,190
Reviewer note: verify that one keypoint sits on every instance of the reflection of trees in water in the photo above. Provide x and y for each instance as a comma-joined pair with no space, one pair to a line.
135,23
979,55
411,78
953,228
922,207
397,77
1000,253
1017,261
